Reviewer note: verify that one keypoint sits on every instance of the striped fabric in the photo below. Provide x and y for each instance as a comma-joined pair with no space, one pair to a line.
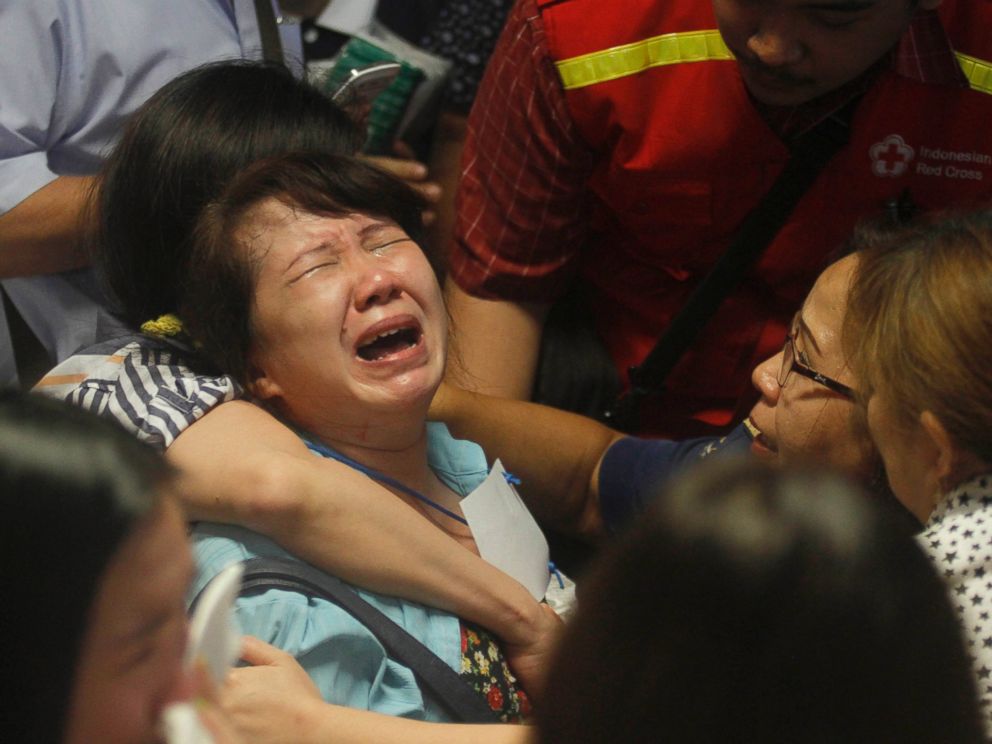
145,384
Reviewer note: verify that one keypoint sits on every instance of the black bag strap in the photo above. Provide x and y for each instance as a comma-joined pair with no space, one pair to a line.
444,684
269,31
810,154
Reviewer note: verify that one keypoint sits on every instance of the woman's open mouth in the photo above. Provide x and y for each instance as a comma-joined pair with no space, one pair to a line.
390,339
760,445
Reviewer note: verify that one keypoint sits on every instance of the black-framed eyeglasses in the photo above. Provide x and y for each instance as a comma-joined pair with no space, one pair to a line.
791,363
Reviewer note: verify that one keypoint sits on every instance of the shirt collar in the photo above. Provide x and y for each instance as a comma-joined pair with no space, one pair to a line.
924,53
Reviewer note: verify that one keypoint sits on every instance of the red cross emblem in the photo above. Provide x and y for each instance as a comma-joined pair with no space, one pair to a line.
891,156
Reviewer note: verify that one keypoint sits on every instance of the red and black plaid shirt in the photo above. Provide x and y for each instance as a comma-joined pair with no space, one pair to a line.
522,195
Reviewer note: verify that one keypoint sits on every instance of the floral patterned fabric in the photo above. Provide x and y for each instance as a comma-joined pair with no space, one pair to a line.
485,668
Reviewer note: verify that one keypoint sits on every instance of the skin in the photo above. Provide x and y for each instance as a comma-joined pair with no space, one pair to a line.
274,702
326,285
922,460
792,51
130,664
41,235
558,454
805,421
910,456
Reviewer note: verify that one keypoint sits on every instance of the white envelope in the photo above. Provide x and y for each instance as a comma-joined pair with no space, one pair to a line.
505,532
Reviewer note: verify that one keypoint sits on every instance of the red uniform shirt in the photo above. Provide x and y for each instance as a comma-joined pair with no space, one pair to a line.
637,184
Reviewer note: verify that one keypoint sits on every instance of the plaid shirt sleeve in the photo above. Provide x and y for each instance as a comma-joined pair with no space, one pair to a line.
522,200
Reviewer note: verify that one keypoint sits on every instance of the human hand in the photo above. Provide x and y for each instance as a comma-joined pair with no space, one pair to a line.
198,719
273,701
530,657
407,168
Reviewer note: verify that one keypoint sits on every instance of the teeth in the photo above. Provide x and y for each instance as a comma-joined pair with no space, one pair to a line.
384,334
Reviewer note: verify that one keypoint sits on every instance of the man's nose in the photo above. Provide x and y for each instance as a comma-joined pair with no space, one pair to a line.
774,42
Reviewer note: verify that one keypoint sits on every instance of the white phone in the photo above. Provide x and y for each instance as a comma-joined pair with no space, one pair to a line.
363,84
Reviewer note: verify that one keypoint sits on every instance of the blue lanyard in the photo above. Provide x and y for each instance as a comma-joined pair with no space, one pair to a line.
326,451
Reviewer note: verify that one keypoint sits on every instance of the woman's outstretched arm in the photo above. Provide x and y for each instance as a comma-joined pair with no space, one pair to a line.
556,454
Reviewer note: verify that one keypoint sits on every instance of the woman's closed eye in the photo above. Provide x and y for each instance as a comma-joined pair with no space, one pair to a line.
380,248
314,268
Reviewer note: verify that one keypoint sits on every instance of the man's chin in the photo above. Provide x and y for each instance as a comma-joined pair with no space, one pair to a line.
774,92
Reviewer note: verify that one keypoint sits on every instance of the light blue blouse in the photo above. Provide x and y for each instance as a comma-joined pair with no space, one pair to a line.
344,659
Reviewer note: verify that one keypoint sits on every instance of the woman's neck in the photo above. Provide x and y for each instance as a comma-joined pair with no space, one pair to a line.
404,460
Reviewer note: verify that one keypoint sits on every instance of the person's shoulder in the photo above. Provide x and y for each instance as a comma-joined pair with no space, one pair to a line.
149,386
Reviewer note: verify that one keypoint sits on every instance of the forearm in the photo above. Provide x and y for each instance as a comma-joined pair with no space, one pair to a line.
556,454
43,234
241,466
346,726
495,343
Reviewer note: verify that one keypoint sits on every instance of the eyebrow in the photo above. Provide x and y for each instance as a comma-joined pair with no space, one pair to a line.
376,227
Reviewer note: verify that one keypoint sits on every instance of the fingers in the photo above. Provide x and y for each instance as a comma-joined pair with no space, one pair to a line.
405,169
260,653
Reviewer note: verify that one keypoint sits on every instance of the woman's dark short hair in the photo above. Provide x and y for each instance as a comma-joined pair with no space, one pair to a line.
216,302
72,488
177,153
755,604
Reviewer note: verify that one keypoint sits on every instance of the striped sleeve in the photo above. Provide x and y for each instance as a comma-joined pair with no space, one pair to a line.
150,389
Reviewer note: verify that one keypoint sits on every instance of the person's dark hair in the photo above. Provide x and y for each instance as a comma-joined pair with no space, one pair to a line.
176,154
72,488
217,294
756,604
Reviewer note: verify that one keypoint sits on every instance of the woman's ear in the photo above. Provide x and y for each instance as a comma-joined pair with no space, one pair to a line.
946,452
260,385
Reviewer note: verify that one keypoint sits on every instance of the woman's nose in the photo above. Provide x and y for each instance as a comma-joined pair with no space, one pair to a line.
765,378
375,286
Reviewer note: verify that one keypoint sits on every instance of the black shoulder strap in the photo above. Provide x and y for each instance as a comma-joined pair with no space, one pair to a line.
436,678
810,154
269,31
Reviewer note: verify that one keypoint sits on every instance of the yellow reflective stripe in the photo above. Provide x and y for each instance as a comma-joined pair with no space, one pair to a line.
978,72
620,61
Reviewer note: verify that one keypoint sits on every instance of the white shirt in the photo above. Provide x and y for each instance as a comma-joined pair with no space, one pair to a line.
958,538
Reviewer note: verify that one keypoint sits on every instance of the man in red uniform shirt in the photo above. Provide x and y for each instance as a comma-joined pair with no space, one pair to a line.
617,147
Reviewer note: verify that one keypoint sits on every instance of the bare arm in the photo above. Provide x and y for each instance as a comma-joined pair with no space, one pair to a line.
274,701
496,343
41,235
555,453
240,465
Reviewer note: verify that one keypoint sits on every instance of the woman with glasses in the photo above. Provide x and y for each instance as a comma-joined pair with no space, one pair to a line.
922,303
586,478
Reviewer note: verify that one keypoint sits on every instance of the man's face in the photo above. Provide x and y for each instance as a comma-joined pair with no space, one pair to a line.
792,51
803,420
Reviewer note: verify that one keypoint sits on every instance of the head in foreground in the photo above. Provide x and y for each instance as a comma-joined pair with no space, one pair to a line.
763,604
96,573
